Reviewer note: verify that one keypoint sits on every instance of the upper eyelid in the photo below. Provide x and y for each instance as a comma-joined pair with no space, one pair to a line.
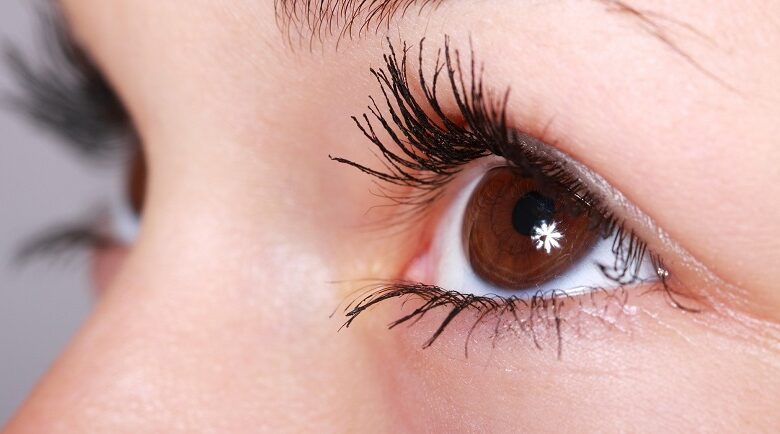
676,257
404,110
607,195
611,198
635,219
347,19
429,146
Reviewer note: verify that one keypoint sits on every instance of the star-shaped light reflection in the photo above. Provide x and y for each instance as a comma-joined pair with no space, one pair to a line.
546,236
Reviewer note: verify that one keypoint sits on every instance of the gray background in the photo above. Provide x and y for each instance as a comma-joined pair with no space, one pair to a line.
41,184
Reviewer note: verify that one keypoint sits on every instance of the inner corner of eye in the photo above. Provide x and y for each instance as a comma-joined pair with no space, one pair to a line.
504,234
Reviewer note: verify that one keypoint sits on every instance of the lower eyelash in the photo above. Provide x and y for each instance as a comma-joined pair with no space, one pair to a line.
533,315
540,310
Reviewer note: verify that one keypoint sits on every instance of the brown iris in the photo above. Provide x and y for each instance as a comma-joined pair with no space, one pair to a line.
518,237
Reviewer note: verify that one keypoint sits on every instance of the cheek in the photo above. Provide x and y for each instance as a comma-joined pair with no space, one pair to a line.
620,372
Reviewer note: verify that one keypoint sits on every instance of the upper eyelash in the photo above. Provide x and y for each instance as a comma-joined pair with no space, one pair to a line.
69,95
433,147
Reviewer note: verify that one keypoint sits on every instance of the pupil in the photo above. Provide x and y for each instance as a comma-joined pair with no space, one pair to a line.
530,211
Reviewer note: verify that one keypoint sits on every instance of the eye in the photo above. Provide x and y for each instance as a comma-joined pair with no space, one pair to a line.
510,234
530,227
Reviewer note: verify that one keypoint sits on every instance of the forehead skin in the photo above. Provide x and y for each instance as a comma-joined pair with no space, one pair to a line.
219,319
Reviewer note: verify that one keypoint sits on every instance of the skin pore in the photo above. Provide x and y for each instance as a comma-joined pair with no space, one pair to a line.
218,318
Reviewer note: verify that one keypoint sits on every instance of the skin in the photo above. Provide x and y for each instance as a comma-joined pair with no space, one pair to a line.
217,318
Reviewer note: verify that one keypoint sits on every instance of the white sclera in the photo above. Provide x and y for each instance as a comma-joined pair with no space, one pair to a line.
453,270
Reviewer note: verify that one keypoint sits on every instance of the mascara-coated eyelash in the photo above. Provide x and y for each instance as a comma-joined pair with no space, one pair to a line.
425,148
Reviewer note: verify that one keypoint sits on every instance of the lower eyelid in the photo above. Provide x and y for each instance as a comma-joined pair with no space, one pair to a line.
543,321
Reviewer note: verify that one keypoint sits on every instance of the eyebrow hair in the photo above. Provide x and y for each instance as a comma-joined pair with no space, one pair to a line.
318,19
661,28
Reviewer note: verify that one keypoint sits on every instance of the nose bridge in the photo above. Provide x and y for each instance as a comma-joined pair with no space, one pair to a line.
195,337
219,320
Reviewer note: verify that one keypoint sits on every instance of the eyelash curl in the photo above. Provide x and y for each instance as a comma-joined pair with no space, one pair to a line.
428,148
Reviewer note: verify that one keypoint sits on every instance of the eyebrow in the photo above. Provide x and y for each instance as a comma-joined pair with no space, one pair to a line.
319,19
316,20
